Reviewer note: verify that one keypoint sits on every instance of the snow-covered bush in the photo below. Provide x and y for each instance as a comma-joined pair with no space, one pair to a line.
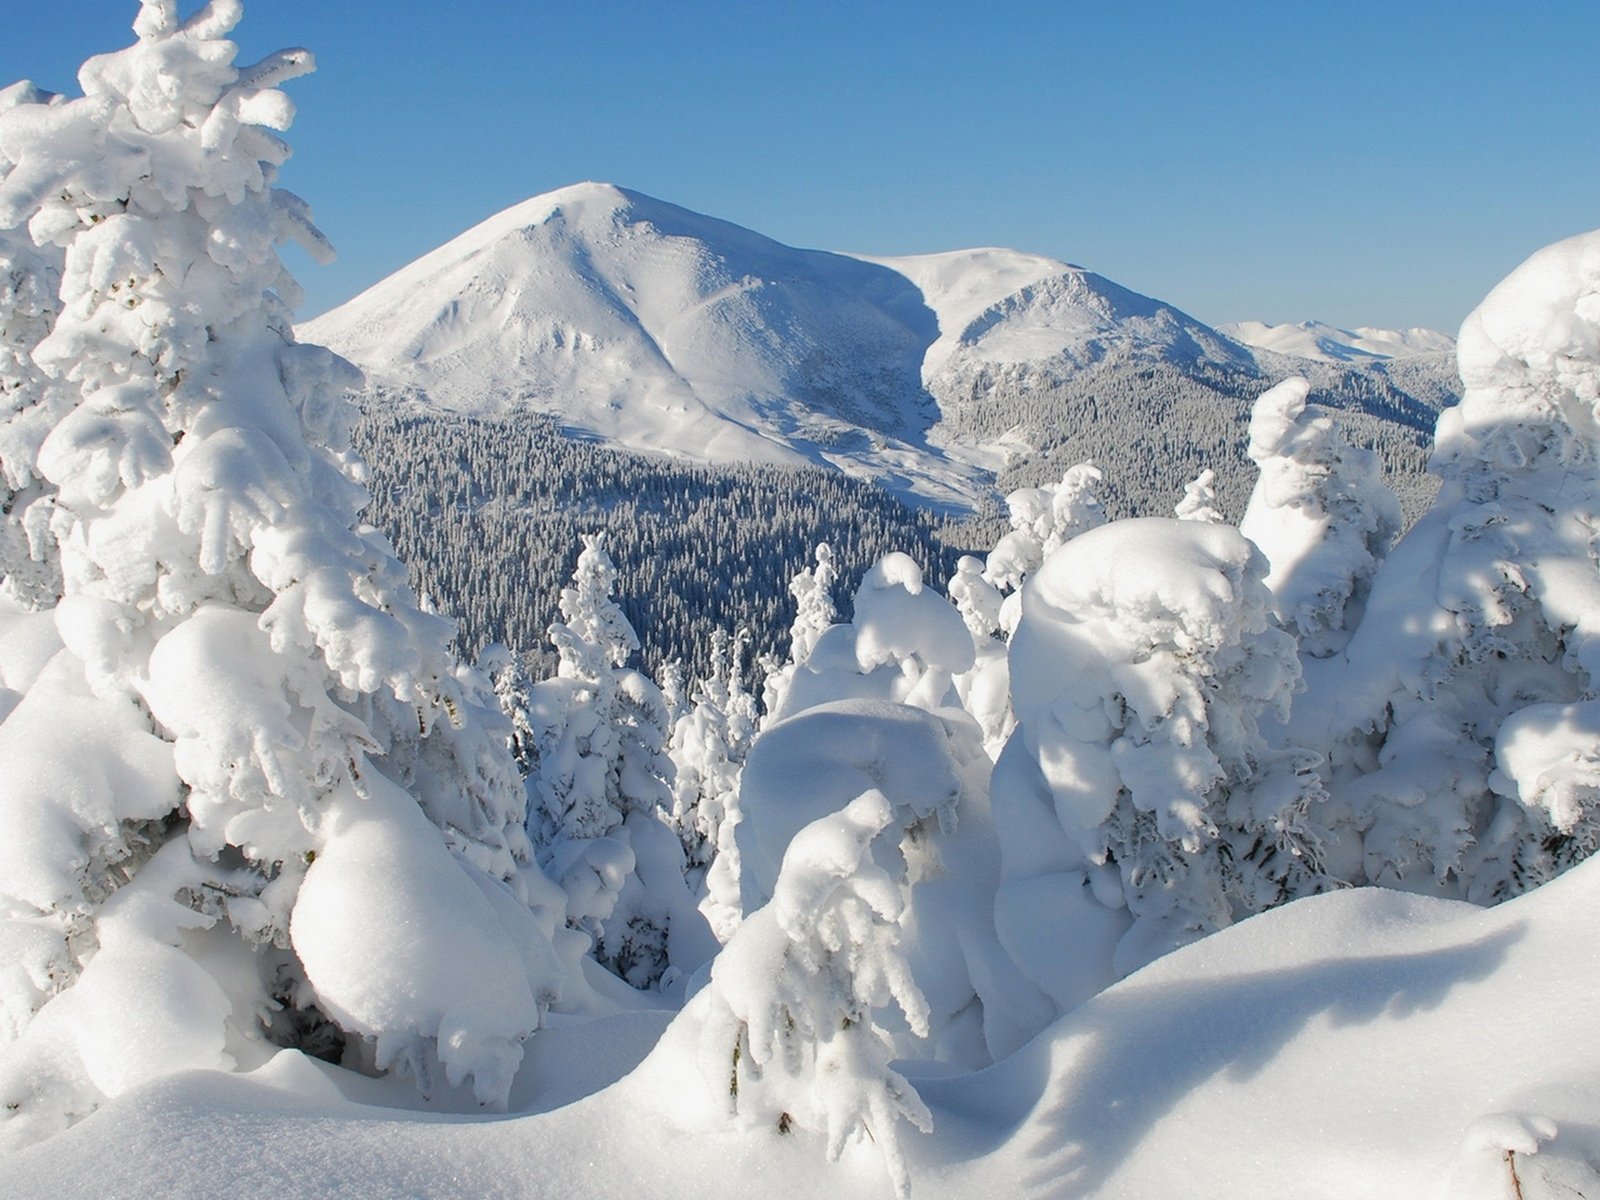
1138,805
789,1029
600,792
1321,513
248,789
1464,726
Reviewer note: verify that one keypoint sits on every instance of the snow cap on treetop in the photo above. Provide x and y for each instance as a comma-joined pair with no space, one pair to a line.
1528,356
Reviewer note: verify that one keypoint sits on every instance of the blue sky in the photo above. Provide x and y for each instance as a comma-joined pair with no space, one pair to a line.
1378,164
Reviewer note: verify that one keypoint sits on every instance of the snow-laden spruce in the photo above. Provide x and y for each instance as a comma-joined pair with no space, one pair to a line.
1138,804
1199,501
875,707
709,744
985,688
904,642
814,613
601,791
1465,725
789,1029
1042,518
1320,512
249,793
30,405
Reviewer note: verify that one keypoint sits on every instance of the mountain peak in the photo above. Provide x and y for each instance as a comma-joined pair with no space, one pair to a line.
653,327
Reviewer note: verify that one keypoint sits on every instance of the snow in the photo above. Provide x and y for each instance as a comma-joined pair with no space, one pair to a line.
77,767
1360,1044
1002,306
1066,915
395,937
1326,343
812,764
660,329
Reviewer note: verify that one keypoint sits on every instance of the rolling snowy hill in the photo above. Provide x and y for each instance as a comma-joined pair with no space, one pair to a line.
651,327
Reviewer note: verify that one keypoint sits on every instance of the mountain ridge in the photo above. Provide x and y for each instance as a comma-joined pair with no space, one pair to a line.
1327,343
650,327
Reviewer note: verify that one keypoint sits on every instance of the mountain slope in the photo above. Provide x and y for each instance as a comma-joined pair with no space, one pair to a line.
653,328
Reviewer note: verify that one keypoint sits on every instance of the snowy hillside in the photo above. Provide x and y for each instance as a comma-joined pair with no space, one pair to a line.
651,327
1326,343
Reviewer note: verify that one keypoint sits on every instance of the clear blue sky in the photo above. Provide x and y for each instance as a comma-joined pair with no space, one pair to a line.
1359,163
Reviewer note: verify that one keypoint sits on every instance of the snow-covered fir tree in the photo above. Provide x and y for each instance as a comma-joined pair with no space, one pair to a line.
941,850
985,689
30,402
904,643
674,686
510,677
1138,803
601,791
875,706
1320,512
1199,501
812,590
788,1026
1464,726
708,748
1042,518
251,794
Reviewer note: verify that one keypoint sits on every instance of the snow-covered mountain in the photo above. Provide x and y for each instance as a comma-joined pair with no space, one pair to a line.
650,327
1327,343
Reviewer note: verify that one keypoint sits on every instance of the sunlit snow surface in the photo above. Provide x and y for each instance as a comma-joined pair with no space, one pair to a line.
1363,1043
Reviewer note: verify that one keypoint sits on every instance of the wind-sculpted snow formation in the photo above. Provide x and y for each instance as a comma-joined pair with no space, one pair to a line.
250,795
